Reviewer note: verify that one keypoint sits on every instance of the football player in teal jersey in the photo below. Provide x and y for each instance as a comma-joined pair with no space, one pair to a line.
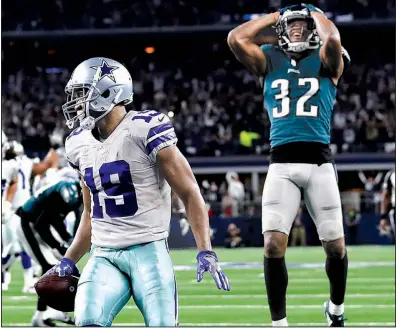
37,221
299,75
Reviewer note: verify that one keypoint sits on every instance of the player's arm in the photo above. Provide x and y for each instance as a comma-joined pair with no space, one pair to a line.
50,161
82,240
12,189
179,175
6,212
331,50
42,226
160,146
61,229
244,42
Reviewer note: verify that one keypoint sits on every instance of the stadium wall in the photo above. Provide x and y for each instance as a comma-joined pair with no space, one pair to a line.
251,228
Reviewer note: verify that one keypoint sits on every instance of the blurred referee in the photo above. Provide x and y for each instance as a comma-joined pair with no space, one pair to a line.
387,207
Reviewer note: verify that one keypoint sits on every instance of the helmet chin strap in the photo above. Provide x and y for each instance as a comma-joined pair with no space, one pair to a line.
89,122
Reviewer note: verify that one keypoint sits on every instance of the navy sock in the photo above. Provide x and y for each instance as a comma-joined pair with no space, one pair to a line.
25,260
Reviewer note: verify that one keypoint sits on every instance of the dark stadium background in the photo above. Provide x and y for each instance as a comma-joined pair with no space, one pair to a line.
176,50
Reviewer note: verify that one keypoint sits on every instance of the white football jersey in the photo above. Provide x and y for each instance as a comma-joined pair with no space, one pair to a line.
389,184
24,181
131,200
9,172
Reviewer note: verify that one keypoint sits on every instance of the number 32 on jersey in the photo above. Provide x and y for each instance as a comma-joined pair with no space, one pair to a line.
301,109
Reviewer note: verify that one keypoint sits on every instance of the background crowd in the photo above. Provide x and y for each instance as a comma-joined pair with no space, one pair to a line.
209,112
91,14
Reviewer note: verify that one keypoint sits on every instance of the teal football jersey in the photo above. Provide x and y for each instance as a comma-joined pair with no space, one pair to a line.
299,97
59,198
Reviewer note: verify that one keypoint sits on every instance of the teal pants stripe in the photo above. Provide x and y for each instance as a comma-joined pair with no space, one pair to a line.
112,276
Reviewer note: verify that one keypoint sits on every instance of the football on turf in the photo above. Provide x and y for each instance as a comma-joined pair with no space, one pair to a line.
57,292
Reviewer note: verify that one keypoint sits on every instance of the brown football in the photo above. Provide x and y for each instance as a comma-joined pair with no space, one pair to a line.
57,292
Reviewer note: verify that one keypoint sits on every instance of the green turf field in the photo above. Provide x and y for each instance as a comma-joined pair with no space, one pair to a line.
370,299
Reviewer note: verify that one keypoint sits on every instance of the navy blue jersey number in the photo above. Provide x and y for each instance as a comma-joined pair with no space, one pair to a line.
120,199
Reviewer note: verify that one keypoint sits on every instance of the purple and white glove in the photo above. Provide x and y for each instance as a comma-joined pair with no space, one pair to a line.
208,262
65,268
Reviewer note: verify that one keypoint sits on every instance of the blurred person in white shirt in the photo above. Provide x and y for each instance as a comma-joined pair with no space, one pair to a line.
236,191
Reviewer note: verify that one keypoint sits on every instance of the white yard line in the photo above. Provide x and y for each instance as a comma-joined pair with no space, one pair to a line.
202,285
291,265
290,296
236,324
306,280
297,280
209,307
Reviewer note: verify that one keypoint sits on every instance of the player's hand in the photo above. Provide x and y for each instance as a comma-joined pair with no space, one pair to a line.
66,267
208,262
384,223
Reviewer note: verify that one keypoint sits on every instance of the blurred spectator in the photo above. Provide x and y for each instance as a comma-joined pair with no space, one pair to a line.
236,191
210,194
298,235
229,207
74,14
371,181
352,219
233,237
235,187
178,208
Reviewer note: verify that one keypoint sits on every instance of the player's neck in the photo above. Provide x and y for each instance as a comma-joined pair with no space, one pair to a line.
109,123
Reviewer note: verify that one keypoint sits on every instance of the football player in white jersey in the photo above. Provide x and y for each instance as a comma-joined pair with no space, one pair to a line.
387,205
9,181
127,162
26,168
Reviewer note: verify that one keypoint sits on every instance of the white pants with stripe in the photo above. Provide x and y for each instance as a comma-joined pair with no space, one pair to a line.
282,196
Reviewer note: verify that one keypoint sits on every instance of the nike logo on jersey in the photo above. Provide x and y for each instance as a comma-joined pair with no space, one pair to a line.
294,71
161,119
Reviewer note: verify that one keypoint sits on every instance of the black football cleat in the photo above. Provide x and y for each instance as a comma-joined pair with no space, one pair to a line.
49,323
39,322
333,320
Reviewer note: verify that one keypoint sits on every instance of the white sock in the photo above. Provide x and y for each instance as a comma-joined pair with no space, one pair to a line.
280,323
336,309
38,314
28,276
